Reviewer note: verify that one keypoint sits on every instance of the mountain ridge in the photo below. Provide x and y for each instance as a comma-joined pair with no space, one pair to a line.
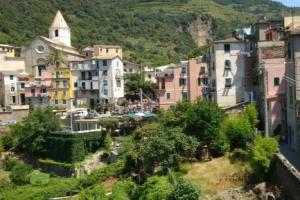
152,32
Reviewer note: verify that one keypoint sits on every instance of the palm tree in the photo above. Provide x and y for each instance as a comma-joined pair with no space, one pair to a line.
56,57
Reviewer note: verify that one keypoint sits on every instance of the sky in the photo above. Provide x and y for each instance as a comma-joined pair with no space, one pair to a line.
290,2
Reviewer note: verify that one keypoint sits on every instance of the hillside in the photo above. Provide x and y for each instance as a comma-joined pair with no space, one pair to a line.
151,32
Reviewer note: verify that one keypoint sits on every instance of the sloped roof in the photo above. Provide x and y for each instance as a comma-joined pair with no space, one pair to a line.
229,40
59,21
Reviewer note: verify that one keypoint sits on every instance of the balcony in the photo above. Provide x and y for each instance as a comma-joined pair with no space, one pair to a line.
167,73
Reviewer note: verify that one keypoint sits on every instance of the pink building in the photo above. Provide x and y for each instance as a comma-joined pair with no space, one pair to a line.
187,80
272,59
37,91
276,94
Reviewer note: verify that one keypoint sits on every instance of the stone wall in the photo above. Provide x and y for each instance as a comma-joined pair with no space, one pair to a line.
287,176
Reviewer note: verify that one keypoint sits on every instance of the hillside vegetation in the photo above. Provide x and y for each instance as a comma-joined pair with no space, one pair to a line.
152,32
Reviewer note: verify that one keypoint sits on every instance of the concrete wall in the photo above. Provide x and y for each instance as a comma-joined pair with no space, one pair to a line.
287,176
17,115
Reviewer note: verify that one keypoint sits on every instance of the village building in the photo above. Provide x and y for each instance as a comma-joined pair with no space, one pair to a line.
36,53
228,69
187,80
98,80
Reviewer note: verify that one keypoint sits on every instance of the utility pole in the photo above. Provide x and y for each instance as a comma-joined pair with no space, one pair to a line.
265,101
141,99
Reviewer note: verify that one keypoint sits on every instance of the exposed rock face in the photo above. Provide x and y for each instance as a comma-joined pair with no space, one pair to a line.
200,31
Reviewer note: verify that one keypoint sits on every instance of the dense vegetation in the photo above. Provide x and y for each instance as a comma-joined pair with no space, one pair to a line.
152,32
151,157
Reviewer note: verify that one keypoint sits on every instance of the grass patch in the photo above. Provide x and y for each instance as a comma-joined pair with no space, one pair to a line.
55,188
217,175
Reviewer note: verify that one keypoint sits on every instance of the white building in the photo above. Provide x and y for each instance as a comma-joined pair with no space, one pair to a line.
98,80
12,88
227,72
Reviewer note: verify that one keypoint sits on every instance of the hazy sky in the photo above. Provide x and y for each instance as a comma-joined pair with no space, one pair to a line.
290,2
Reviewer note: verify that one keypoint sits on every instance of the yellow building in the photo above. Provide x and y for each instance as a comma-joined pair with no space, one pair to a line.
62,87
11,51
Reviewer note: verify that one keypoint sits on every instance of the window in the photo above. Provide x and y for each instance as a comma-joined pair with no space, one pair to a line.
13,99
163,84
182,81
130,70
12,88
91,85
227,48
104,62
64,101
202,81
168,95
40,69
41,100
64,93
56,101
228,82
289,51
183,70
105,92
22,85
75,84
119,83
82,75
184,96
83,85
105,82
117,50
291,95
149,76
57,84
57,74
65,84
227,64
11,77
107,50
56,92
56,33
105,72
33,92
276,81
125,70
213,66
44,90
202,70
89,75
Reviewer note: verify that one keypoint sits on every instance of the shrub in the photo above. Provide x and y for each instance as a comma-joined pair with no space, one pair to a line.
9,163
123,190
96,193
8,142
20,174
238,131
184,191
100,175
261,154
155,188
39,178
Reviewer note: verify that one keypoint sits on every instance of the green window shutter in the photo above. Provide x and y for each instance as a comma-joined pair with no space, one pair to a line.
184,95
168,95
276,81
183,70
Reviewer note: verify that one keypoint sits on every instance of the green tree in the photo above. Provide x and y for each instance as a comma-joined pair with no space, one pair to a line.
135,82
56,57
201,119
251,114
31,132
165,147
20,174
184,191
238,131
261,154
7,142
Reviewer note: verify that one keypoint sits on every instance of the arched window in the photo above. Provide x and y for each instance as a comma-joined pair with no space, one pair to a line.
227,65
56,33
